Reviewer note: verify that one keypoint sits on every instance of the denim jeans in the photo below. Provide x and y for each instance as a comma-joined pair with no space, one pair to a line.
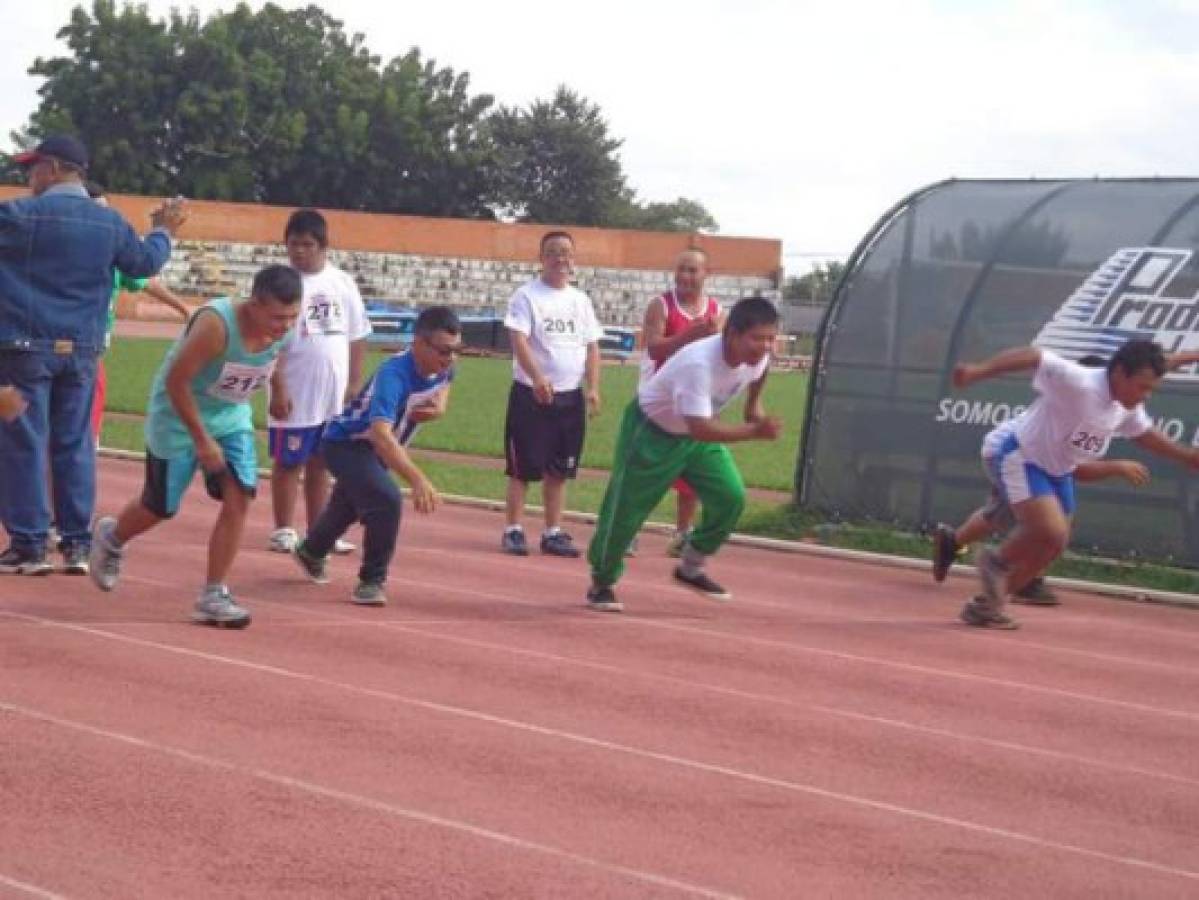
56,428
365,492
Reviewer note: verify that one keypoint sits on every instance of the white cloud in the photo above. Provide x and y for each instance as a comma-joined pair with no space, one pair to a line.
802,120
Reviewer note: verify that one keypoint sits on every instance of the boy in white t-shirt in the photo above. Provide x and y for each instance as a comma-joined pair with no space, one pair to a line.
673,430
1031,461
556,369
315,377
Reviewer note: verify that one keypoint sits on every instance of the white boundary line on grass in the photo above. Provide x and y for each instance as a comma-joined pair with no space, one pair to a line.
1123,592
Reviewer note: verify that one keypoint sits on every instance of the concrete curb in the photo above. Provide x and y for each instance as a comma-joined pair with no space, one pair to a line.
1119,591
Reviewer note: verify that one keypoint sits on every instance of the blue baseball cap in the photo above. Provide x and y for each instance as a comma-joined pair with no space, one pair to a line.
57,146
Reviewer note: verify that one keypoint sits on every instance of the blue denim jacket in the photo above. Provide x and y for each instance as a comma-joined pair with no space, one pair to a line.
57,254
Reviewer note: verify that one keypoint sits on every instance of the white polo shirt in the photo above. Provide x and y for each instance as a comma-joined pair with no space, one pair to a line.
695,382
316,366
559,323
1074,418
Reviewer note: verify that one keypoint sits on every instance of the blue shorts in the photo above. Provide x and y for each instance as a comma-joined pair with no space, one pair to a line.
167,479
1015,480
291,447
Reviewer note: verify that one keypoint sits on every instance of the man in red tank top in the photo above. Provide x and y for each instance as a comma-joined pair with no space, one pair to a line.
673,320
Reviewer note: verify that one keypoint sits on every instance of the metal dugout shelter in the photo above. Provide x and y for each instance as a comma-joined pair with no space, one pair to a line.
960,270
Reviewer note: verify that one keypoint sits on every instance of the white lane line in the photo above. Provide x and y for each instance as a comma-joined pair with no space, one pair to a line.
417,627
360,801
843,656
636,752
665,586
31,889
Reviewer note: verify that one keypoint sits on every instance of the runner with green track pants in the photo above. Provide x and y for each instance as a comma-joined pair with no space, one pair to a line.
673,430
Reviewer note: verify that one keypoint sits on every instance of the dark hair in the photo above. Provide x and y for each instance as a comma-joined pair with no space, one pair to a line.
94,189
749,312
550,235
308,222
1093,361
437,318
281,282
1136,355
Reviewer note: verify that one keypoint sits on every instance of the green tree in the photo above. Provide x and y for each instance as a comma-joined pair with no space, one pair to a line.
816,286
558,163
275,106
680,215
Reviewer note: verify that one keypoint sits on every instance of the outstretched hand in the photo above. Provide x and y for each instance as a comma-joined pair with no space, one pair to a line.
965,374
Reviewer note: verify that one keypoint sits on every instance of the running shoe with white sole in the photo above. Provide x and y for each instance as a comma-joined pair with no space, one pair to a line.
104,559
600,597
703,584
216,606
369,593
284,540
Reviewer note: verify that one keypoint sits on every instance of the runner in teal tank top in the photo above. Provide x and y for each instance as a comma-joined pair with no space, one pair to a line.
199,416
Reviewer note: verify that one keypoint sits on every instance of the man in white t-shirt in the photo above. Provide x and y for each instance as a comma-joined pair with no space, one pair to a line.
556,370
318,374
1031,461
672,430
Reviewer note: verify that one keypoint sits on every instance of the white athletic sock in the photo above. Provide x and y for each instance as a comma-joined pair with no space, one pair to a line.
550,532
511,528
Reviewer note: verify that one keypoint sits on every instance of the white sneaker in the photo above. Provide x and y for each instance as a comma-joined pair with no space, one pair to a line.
284,540
105,557
342,547
216,606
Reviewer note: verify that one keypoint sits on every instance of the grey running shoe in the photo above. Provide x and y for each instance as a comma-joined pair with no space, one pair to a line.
559,544
75,560
993,575
217,607
513,542
600,597
369,593
104,560
702,583
312,565
945,551
18,561
975,613
1036,593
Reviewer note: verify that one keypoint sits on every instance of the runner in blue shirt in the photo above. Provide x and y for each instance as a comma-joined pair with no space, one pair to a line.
366,443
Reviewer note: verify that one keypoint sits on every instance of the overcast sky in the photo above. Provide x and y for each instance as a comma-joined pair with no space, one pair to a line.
797,120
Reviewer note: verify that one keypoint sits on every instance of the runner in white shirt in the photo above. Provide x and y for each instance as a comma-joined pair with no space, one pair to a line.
556,370
1031,461
673,429
320,372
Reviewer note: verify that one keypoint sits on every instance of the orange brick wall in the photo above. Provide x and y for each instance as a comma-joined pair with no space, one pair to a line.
258,224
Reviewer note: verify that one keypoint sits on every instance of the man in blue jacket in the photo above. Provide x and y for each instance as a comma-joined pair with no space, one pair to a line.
58,250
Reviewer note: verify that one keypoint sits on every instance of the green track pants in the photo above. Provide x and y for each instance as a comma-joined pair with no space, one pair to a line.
646,464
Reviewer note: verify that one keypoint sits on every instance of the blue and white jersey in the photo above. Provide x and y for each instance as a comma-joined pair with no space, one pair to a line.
395,389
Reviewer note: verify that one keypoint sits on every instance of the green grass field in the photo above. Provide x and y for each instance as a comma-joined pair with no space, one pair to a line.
474,425
475,421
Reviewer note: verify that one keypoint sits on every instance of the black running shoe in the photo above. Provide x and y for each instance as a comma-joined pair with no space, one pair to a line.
600,597
945,551
74,559
1036,593
513,542
559,544
18,561
702,583
312,565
